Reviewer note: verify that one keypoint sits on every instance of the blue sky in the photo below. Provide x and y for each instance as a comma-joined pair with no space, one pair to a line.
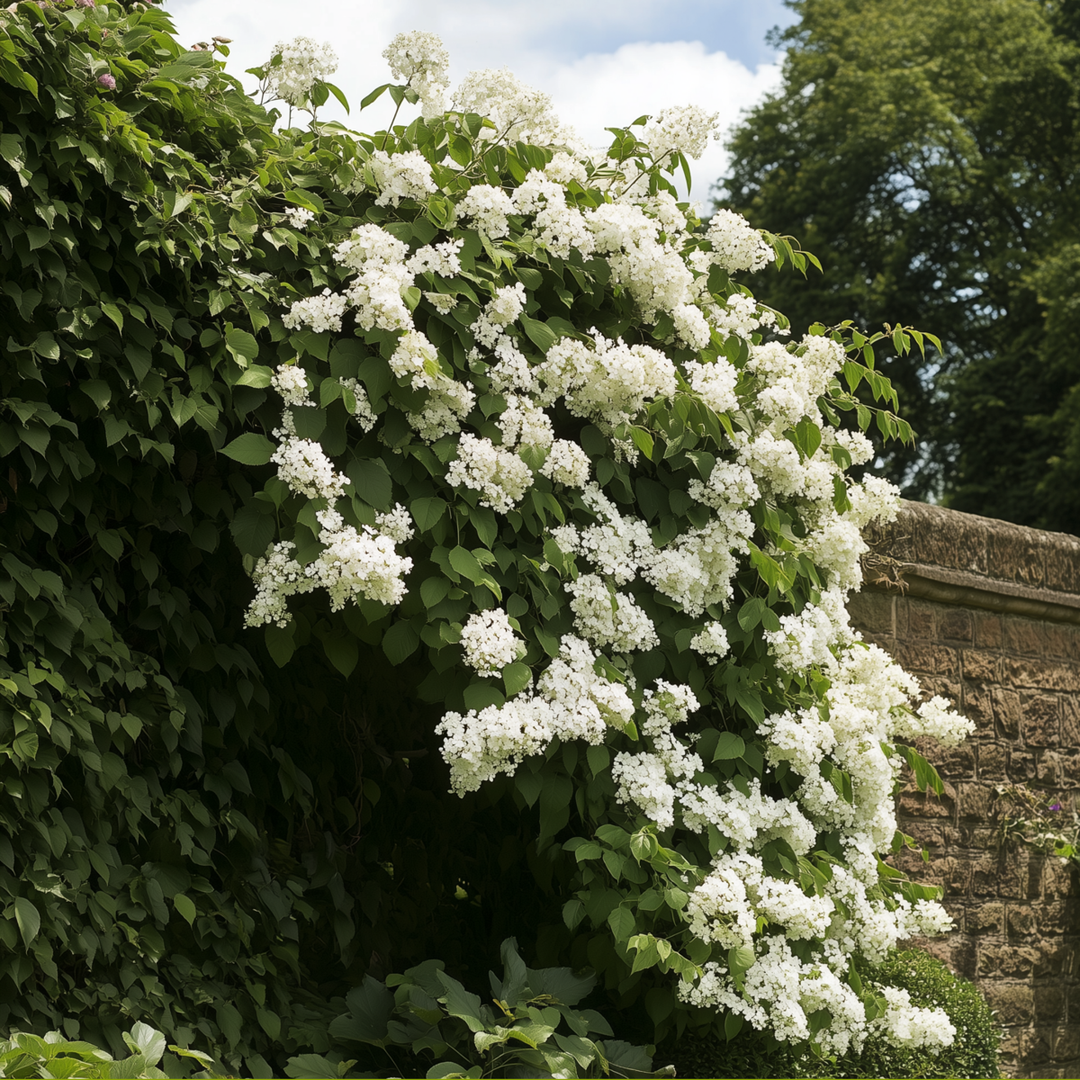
601,64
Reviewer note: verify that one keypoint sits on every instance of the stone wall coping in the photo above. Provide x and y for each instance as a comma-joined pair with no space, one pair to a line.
964,559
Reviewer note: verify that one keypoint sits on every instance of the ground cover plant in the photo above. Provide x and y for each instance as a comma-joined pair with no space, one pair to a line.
416,540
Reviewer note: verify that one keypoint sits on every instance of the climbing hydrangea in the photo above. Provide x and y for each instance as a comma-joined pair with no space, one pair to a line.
628,514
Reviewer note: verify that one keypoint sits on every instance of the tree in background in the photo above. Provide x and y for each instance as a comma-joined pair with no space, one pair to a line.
927,152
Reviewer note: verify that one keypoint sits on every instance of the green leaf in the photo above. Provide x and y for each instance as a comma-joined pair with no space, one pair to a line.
342,651
371,1006
26,915
400,642
371,481
253,528
515,678
540,334
250,449
460,1002
185,908
622,923
242,343
426,512
728,747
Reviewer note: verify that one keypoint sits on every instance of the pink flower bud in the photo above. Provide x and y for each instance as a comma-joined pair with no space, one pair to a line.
107,81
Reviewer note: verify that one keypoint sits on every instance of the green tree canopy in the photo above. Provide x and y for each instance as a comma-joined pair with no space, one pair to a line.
927,152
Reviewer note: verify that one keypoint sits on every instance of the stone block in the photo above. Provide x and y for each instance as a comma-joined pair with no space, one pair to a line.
1070,722
956,624
1049,1002
952,762
980,665
987,918
1006,712
1005,961
997,875
1048,768
1060,640
1055,959
989,633
927,659
956,541
974,801
1062,561
977,704
1035,1046
991,761
1032,673
1021,766
921,621
1025,636
1014,553
1056,917
1014,1002
1066,1042
1040,720
872,612
1058,879
1020,919
925,804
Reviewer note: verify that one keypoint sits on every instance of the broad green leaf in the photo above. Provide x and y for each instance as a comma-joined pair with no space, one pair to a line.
250,449
28,919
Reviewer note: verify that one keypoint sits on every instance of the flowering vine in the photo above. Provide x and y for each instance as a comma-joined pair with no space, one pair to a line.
583,470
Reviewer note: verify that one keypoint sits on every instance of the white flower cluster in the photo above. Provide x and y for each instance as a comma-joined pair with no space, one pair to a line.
298,216
609,619
353,564
489,641
422,61
686,130
303,63
401,176
501,477
570,702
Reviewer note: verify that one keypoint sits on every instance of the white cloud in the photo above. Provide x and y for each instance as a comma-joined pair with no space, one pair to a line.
589,92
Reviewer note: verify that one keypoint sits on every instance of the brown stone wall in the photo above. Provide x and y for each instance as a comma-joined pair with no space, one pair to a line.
990,618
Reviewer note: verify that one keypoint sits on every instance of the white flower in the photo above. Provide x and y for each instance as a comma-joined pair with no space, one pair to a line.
303,63
421,60
401,176
500,476
686,129
298,216
607,618
735,245
489,641
711,642
567,464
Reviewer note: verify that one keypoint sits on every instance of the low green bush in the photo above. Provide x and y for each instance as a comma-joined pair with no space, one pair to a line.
430,1025
973,1053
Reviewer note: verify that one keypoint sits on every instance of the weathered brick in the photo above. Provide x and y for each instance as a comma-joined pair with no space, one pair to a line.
1040,720
956,541
1028,672
984,918
1070,722
1048,769
977,704
1000,875
1062,561
991,761
1057,917
1066,1043
1021,766
1006,961
955,624
988,630
1035,1046
1020,919
925,804
1015,554
980,665
1058,879
1025,636
1007,712
1055,959
872,612
1050,1002
1059,640
926,658
974,801
1014,1002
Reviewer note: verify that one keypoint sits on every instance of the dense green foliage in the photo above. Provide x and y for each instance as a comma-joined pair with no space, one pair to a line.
927,151
930,984
188,836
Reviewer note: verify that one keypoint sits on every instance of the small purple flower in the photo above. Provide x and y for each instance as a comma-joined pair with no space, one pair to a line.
1056,806
107,81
